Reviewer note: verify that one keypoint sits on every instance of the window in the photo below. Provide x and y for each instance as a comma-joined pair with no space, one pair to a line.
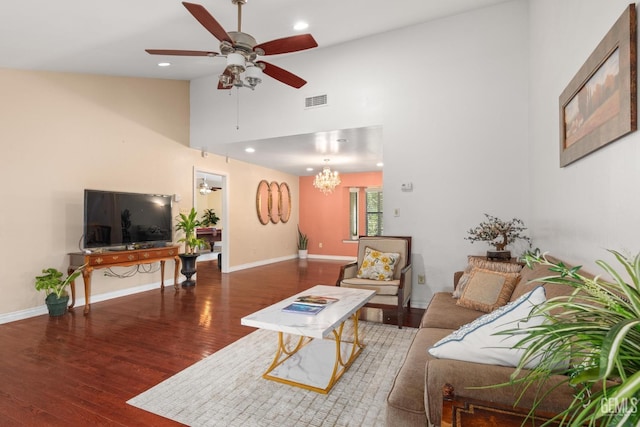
373,214
370,214
353,213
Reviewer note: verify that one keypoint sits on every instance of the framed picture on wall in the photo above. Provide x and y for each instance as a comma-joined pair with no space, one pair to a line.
599,106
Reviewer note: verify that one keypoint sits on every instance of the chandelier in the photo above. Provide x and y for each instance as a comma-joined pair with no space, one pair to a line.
326,180
204,188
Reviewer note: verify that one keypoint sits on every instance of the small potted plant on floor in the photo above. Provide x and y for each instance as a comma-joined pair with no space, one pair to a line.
55,288
499,234
303,241
188,224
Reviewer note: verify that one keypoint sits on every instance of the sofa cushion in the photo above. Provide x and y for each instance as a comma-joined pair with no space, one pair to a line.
377,265
405,400
487,290
382,287
528,281
443,312
478,342
483,262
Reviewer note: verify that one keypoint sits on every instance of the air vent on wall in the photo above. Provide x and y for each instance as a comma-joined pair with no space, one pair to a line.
315,101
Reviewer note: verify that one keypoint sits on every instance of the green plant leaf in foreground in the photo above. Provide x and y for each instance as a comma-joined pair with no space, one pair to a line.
597,328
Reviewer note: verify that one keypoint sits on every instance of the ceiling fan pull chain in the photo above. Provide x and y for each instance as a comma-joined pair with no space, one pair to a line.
238,109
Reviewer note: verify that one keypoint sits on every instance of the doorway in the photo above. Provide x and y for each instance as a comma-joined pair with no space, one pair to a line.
217,199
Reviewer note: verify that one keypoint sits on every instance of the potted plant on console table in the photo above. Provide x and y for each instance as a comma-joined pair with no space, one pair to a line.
55,287
188,224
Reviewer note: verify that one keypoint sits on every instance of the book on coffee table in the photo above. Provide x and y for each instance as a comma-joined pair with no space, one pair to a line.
315,300
297,307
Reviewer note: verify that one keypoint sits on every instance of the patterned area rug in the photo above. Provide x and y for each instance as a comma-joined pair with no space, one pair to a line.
227,387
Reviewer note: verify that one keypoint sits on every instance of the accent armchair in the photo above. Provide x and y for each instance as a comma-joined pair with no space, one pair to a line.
383,265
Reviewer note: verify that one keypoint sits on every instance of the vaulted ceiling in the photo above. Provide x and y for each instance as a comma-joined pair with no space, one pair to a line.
110,38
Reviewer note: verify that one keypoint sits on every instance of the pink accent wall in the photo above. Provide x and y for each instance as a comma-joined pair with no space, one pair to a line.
325,219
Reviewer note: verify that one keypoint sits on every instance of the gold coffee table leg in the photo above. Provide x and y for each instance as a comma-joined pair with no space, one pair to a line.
339,365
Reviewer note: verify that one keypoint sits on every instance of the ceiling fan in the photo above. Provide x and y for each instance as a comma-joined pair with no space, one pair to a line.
204,187
242,51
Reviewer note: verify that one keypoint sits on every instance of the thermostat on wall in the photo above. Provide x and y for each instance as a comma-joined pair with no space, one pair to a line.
407,186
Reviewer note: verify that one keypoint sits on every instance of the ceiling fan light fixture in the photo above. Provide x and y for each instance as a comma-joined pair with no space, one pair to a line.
236,63
253,75
204,188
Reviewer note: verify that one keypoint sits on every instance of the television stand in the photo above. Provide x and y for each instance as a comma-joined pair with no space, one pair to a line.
95,261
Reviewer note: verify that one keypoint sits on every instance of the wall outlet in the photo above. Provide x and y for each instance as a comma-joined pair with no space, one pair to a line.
421,279
320,244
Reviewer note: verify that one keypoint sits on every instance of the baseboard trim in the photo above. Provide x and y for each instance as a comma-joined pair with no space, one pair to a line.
40,310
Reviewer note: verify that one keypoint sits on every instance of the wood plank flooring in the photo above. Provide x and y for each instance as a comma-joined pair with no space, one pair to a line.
80,370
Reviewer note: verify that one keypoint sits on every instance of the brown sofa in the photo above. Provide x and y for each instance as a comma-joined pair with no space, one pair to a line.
416,395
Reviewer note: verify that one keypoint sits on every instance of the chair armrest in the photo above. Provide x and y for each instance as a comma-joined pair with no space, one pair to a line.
347,271
405,287
405,275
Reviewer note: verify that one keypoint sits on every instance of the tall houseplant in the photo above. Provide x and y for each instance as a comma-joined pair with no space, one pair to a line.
188,224
303,242
597,327
55,288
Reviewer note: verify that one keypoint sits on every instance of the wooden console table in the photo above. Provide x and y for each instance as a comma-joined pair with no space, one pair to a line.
108,259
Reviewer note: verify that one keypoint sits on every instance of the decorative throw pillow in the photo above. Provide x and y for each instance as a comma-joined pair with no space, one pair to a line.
377,265
488,290
482,262
478,341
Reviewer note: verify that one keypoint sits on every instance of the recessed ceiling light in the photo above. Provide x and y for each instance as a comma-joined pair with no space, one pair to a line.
379,164
309,169
250,150
164,64
300,25
341,139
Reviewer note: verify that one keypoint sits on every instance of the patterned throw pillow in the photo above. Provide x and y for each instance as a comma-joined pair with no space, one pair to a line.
482,262
488,290
378,265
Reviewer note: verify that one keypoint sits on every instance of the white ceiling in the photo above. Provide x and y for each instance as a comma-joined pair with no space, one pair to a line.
109,38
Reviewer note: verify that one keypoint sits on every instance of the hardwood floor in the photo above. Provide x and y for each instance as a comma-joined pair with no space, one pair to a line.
80,370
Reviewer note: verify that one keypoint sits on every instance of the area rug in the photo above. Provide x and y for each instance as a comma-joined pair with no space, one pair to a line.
227,388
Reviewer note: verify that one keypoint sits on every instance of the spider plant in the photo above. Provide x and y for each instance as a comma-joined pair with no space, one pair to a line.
597,328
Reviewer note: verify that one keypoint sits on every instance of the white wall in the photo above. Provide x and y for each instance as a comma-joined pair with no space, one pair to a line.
592,204
451,96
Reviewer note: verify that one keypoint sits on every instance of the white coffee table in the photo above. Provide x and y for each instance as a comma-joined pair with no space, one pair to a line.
311,361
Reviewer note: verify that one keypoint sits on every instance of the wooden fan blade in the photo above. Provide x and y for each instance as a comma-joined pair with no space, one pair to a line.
207,21
282,75
180,52
287,45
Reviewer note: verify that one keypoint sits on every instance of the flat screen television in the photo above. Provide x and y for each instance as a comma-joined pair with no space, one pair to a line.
114,219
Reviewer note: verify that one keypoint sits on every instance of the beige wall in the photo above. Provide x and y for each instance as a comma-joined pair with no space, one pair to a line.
62,133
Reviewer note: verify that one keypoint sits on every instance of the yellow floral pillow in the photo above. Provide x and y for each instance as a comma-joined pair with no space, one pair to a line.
377,265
